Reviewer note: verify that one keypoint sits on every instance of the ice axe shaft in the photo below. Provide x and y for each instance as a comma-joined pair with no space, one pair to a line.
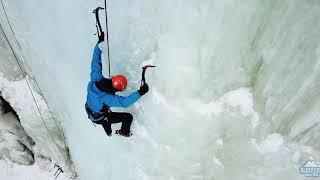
144,69
98,25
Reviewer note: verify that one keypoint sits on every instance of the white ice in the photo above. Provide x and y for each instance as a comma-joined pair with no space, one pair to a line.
235,94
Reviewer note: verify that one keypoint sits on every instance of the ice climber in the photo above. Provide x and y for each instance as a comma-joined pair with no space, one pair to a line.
101,96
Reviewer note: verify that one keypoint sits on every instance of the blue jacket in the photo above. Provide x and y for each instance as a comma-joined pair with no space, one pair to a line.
96,98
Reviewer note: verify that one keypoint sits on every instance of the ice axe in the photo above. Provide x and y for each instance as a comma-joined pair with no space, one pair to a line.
144,68
98,25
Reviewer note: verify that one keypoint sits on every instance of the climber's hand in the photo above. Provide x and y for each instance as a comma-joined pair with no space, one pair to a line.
101,37
143,89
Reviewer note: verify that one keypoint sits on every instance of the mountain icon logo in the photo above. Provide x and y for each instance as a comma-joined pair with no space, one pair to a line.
311,168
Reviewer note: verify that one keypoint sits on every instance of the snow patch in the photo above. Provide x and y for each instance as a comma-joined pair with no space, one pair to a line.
271,144
241,98
18,94
10,171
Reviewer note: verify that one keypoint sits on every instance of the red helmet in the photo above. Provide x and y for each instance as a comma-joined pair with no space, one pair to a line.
119,82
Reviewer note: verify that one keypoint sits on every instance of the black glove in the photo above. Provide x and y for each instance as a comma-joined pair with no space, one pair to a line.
143,89
101,37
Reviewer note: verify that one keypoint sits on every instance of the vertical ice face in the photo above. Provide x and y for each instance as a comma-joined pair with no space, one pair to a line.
287,84
196,122
15,144
36,119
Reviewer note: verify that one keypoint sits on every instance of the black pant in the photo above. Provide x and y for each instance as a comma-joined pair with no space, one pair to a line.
116,117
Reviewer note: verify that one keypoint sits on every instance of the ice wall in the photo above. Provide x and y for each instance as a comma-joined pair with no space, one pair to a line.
197,122
287,84
18,87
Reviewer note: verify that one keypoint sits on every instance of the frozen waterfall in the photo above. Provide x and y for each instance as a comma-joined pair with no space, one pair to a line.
235,95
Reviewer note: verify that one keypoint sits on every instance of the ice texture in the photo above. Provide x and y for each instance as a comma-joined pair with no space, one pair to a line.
235,94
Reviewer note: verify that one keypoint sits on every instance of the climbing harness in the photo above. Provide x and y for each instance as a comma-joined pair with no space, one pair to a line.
143,78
